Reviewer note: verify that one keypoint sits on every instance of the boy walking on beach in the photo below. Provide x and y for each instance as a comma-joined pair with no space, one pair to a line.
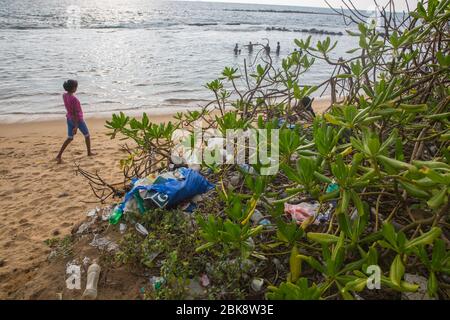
74,118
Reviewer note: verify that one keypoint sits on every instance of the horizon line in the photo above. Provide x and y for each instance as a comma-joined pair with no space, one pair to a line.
264,4
281,5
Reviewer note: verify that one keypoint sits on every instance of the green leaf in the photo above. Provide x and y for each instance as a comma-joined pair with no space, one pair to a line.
432,285
438,199
323,238
444,60
397,270
438,255
295,264
204,247
389,234
426,238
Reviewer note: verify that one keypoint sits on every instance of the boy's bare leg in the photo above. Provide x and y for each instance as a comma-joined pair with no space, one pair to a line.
88,146
63,147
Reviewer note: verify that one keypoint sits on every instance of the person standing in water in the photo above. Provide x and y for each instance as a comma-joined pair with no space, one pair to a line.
267,47
236,49
250,47
74,117
278,48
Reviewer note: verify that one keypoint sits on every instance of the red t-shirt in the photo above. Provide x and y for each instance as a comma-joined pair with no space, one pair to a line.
72,105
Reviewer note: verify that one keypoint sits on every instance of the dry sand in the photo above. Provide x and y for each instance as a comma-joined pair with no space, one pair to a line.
41,199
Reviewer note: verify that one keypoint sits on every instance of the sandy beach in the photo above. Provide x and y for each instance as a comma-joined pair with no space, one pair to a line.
43,200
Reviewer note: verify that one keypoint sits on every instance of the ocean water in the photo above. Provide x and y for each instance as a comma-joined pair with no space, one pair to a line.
137,55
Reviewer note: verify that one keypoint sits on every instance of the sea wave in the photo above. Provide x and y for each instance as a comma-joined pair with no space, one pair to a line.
174,101
144,25
281,11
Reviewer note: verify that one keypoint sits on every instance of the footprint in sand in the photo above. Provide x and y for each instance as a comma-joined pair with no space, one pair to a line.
8,244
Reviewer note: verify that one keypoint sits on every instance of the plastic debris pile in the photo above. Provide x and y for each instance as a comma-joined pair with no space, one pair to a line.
167,190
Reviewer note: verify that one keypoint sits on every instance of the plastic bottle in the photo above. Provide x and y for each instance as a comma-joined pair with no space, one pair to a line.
116,215
93,275
257,216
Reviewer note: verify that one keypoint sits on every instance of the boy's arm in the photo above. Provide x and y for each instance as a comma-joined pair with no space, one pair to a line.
75,117
75,113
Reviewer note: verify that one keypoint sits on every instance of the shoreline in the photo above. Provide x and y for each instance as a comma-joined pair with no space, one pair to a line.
159,114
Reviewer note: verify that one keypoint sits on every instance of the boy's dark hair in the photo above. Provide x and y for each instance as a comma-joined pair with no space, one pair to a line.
70,85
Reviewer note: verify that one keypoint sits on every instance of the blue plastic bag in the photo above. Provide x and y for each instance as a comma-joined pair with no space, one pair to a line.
178,191
175,191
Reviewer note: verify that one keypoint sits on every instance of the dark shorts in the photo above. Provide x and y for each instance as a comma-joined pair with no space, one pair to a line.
81,126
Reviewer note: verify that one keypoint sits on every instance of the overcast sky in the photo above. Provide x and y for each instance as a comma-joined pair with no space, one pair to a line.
360,4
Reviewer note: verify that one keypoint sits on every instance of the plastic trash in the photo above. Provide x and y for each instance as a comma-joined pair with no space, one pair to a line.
116,215
103,244
195,167
194,290
198,198
281,122
145,181
86,261
157,282
332,187
107,212
157,198
265,222
93,212
247,168
141,229
302,211
257,216
93,275
257,284
325,216
86,225
190,207
122,228
152,256
167,190
204,280
235,179
178,191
